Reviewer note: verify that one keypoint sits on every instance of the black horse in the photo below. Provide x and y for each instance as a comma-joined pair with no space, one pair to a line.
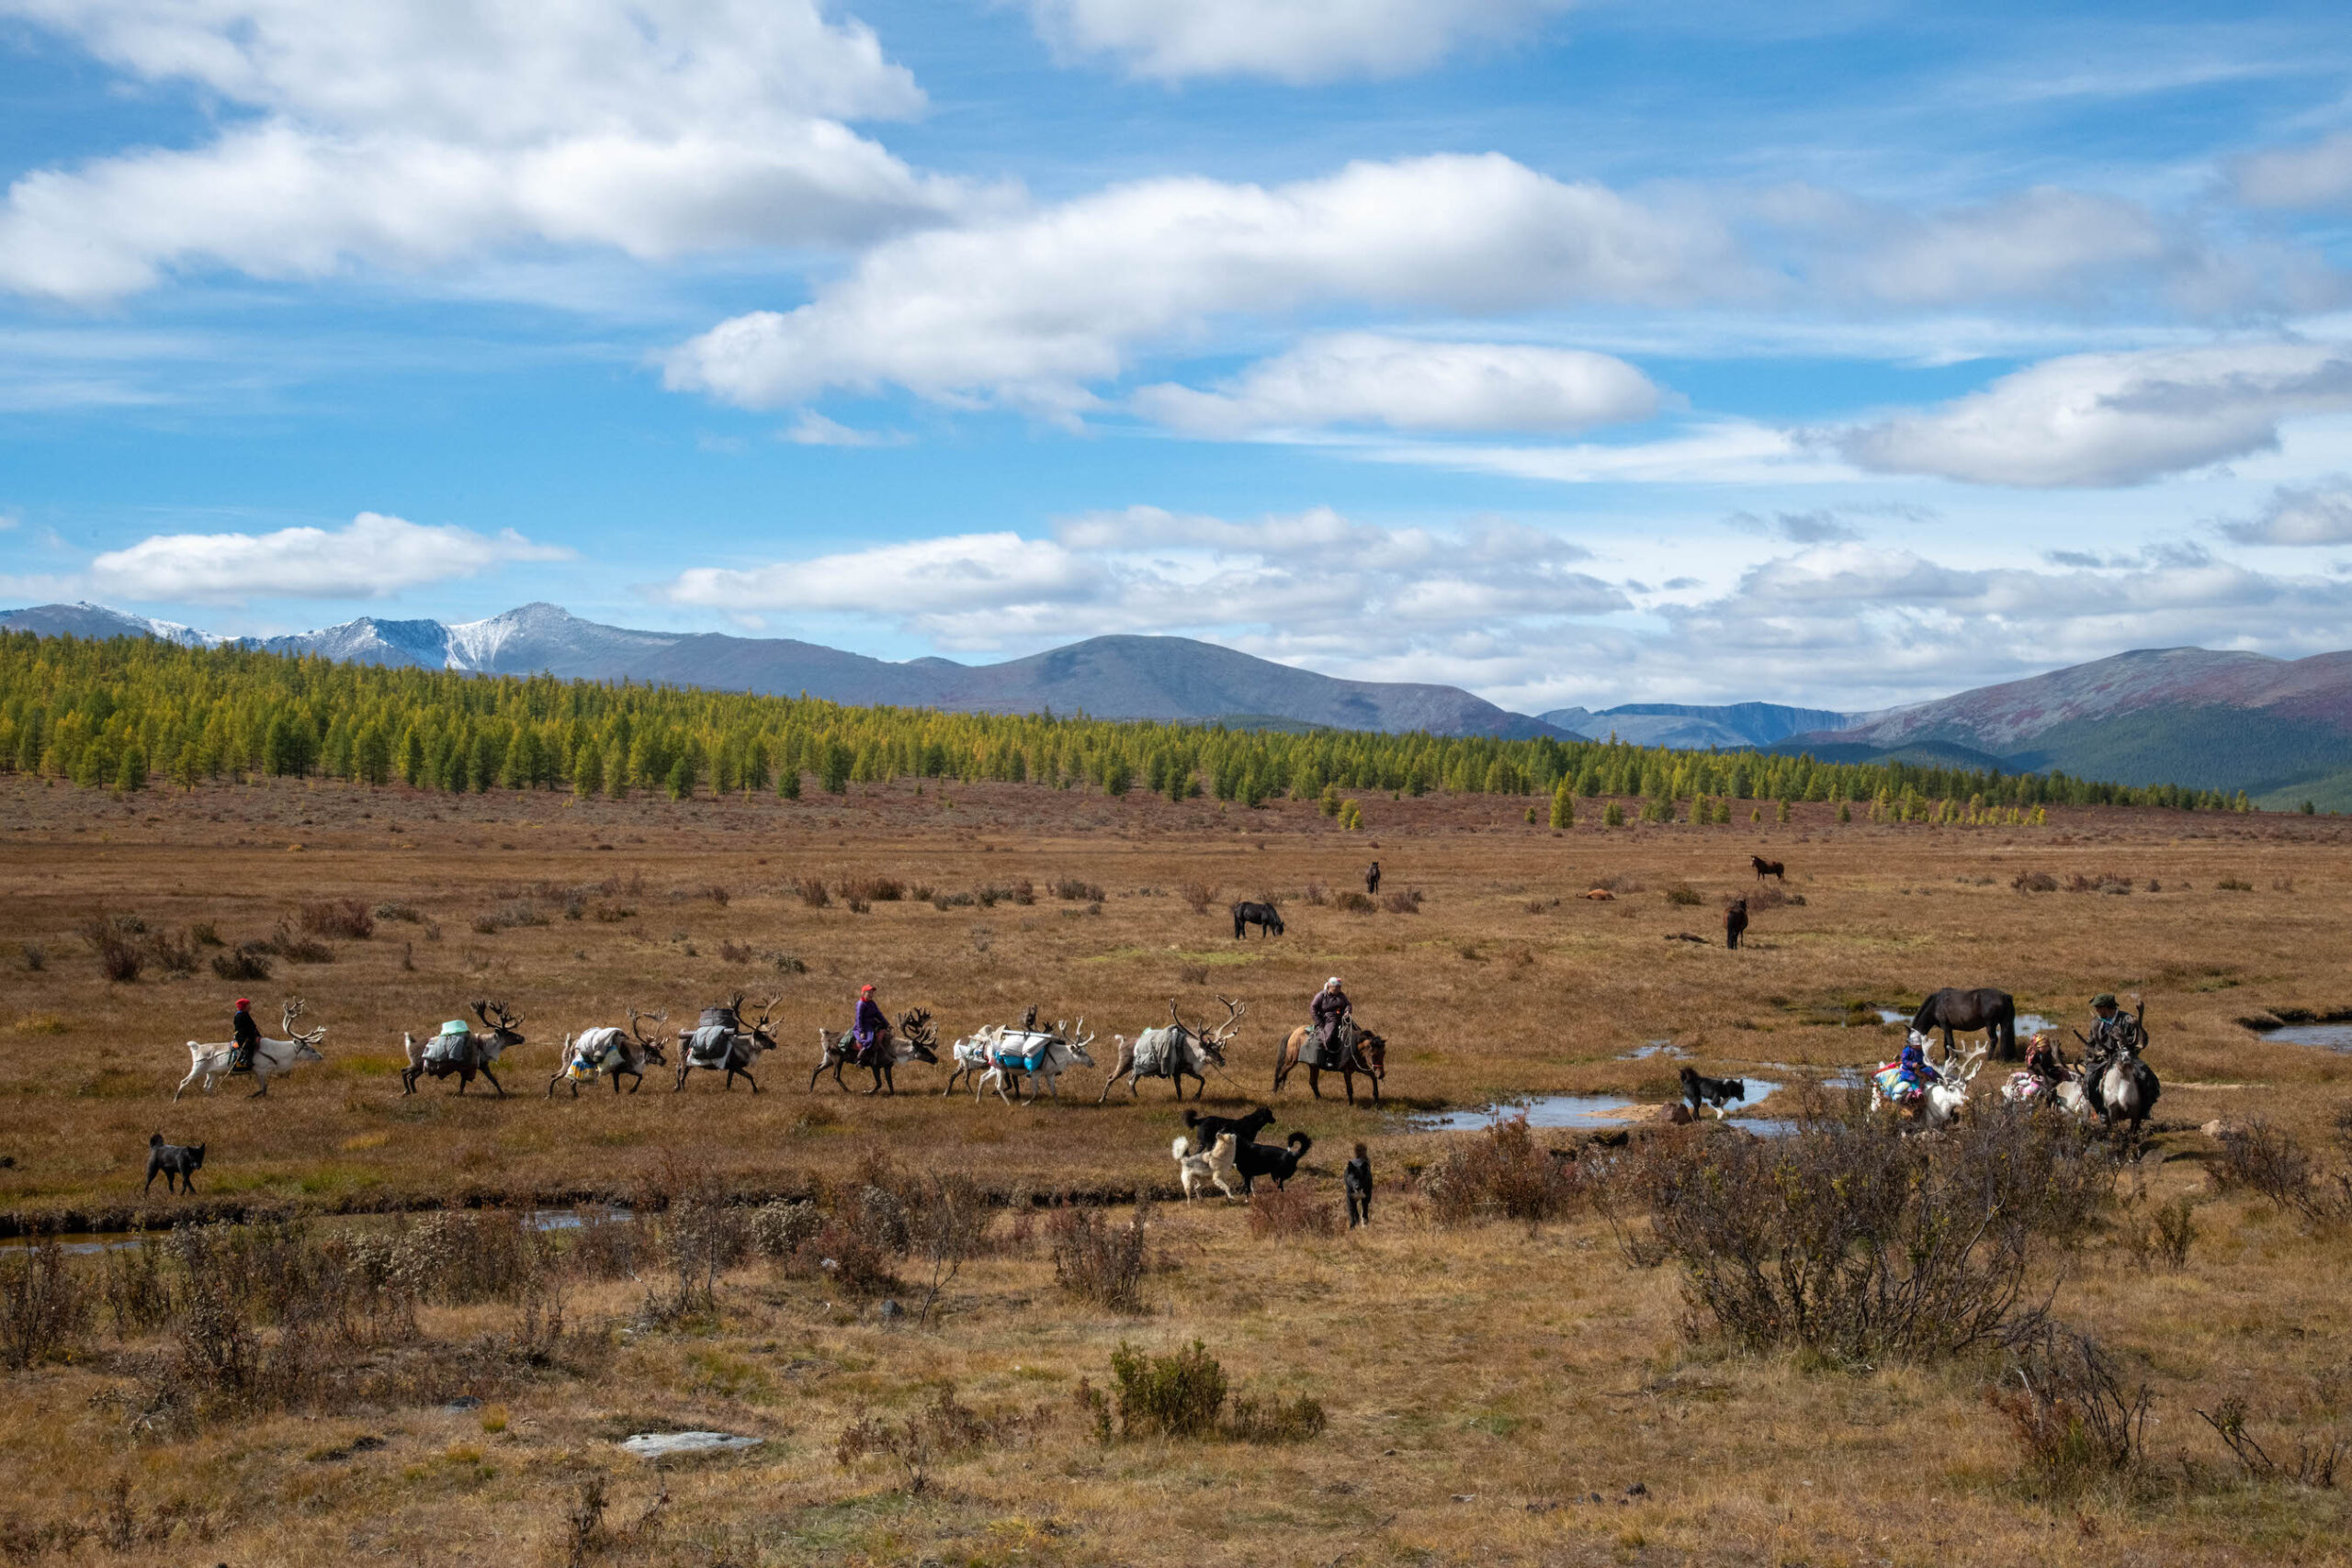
1994,1012
1734,922
1265,917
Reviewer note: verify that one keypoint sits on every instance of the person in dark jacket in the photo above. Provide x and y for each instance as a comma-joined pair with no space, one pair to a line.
1735,922
1357,1179
1371,880
1331,1009
248,1037
870,1027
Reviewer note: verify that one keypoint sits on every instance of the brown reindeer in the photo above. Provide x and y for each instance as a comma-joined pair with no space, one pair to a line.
914,1039
727,1043
1175,1052
469,1054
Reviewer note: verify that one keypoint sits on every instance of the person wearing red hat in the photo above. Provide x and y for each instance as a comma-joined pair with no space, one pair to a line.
248,1035
870,1026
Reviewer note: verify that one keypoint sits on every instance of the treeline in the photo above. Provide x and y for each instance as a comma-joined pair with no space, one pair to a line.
125,713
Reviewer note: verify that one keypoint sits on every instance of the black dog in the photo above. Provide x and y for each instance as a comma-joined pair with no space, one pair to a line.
175,1162
1718,1092
1270,1159
1245,1129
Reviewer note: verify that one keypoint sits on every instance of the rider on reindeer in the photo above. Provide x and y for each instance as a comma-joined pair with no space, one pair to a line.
248,1037
870,1028
1331,1009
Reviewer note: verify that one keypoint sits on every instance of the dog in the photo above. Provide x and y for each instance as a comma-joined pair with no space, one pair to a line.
176,1163
1215,1165
1271,1159
1701,1090
1245,1129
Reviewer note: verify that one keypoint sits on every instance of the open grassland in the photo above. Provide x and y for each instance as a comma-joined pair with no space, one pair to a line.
1492,1388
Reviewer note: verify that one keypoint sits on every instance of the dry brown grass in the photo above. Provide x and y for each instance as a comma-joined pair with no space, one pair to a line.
1484,1380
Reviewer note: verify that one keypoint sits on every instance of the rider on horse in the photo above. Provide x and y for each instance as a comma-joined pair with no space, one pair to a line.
1331,1009
248,1037
870,1028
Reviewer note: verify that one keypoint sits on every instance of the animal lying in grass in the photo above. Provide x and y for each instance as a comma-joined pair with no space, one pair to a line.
1700,1091
176,1163
1217,1165
1245,1129
1272,1160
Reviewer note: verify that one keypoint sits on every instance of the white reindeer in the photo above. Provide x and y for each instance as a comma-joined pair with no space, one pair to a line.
1943,1101
1062,1051
611,1052
211,1062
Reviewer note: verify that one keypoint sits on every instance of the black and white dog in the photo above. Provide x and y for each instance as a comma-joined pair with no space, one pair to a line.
176,1163
1271,1159
1245,1129
1701,1091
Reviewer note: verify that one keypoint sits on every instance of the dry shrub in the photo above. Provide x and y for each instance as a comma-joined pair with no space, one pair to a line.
1285,1212
780,1229
1772,896
1076,890
1500,1173
1683,893
2234,884
2271,1162
345,918
871,889
2073,1412
1191,974
812,893
115,939
1097,1260
2033,882
132,1287
2099,882
940,1430
1315,895
1198,895
1178,1395
715,894
407,914
248,962
2314,1463
1354,903
43,1304
1295,1420
1405,903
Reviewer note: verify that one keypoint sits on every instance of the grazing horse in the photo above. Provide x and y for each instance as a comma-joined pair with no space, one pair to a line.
1994,1012
1361,1051
212,1063
724,1043
1765,868
1175,1052
1265,917
611,1052
911,1041
475,1054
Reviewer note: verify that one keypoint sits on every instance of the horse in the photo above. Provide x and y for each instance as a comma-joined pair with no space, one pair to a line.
1371,880
475,1055
1735,923
1265,917
722,1044
1994,1012
911,1042
1053,1055
1765,868
1176,1053
611,1052
211,1063
1361,1051
1943,1101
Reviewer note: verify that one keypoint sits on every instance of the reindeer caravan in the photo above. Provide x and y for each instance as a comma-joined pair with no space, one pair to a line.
1175,1052
211,1063
461,1049
721,1042
613,1053
1001,1052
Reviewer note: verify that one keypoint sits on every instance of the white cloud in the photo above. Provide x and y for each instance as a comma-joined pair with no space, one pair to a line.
2111,419
1028,310
371,557
2035,244
813,429
405,136
1290,40
1407,384
2315,515
1715,453
2315,176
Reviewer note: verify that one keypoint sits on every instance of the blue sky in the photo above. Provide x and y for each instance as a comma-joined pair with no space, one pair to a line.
1569,353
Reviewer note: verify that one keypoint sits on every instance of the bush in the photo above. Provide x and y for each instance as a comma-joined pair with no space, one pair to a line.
1197,896
812,893
408,914
1685,894
1500,1173
2271,1162
871,889
1176,1396
345,918
1253,1420
1281,1212
42,1303
1354,903
1097,1260
2033,882
115,939
1406,903
2073,1412
1074,890
245,964
2313,1465
2234,884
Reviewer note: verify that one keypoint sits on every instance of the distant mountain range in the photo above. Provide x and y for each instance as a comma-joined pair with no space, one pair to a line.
2279,729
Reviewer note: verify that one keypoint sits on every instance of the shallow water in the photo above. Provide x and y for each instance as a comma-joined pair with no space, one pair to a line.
1587,1110
2326,1036
1655,1048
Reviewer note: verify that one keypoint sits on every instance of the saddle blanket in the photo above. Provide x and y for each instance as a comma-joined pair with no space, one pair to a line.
2025,1086
1154,1049
1894,1084
1021,1053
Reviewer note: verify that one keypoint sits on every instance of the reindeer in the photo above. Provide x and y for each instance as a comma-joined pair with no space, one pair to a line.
611,1052
1175,1052
211,1063
723,1045
914,1039
466,1054
1031,1055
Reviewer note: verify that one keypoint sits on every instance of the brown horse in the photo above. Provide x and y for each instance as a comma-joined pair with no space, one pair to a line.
1765,868
1367,1052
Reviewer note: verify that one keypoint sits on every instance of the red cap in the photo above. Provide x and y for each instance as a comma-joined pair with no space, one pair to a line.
243,1003
865,990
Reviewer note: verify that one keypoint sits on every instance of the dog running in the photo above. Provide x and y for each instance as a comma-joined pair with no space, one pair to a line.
1198,1170
1271,1159
176,1163
1245,1129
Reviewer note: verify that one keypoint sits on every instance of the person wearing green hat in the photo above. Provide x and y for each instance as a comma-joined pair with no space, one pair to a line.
2114,1033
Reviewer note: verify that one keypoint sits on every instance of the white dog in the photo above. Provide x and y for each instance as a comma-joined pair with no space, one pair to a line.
1215,1166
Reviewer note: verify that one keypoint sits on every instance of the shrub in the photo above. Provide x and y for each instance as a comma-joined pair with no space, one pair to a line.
1295,1420
1197,896
1685,894
1405,903
812,893
297,949
1074,890
204,935
1179,1395
1282,1212
1099,1262
2313,1465
1354,903
245,964
2234,884
42,1303
871,889
2271,1162
408,914
2071,1411
715,894
114,940
1499,1173
345,918
36,959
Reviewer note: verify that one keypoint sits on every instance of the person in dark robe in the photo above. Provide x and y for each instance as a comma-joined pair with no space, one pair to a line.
247,1034
1330,1010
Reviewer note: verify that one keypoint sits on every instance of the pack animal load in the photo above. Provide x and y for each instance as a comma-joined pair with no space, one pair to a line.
1021,1051
714,1036
463,1050
451,1046
598,1051
1898,1084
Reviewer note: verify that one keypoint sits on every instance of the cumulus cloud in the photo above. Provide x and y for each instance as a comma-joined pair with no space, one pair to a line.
2111,419
2315,514
373,557
2315,176
1028,310
1305,580
1407,384
403,135
1290,40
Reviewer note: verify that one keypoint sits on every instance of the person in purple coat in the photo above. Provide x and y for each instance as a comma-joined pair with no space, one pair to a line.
1331,1009
870,1027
